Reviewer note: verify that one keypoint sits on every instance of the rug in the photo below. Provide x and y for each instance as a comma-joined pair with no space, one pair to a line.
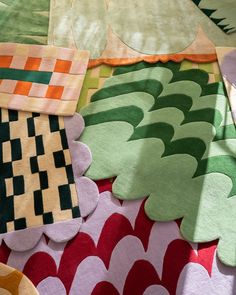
99,26
14,282
24,21
131,255
168,134
227,61
161,136
94,79
41,168
43,79
96,76
222,13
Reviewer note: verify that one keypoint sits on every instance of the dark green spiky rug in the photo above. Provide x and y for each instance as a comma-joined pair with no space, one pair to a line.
168,134
222,13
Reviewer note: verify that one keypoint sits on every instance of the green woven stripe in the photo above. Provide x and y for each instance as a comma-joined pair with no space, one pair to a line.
22,75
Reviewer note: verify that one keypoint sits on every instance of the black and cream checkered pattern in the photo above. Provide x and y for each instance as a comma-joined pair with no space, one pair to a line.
36,177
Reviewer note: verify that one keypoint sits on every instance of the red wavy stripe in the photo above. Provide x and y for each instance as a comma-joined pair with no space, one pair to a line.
4,253
39,267
105,288
141,276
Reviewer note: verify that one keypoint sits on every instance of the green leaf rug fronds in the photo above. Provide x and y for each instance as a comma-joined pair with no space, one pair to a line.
168,135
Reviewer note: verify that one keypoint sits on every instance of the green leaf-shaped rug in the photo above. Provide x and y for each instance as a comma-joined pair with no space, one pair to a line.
167,134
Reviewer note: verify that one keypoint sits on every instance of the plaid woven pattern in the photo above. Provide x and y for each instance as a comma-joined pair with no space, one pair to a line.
43,79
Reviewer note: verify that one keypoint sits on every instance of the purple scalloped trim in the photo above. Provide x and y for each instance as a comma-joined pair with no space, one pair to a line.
26,239
81,159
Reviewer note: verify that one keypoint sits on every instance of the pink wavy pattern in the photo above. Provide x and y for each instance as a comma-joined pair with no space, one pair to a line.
119,251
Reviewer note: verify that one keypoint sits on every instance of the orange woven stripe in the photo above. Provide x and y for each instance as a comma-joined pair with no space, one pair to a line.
62,66
5,61
54,92
23,88
33,64
200,58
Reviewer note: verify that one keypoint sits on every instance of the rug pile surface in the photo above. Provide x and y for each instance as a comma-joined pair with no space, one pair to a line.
117,147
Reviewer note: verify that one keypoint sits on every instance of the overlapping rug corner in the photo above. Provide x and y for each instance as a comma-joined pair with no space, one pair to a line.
113,44
145,267
176,118
222,13
227,62
42,79
43,190
15,282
